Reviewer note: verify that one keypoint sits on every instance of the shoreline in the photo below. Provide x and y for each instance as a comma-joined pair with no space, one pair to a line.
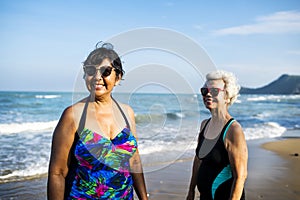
273,173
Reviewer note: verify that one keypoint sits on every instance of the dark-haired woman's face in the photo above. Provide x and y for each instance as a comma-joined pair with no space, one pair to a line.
101,79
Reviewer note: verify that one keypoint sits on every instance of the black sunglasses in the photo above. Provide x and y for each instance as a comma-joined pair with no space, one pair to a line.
213,91
91,70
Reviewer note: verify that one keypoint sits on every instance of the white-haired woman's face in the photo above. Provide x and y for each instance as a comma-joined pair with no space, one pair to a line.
214,94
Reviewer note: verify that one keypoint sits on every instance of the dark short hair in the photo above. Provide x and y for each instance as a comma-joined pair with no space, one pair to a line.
105,51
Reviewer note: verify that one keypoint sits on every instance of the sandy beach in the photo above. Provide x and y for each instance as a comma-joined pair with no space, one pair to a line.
273,173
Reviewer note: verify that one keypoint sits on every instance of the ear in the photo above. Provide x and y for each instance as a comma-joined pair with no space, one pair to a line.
227,99
118,80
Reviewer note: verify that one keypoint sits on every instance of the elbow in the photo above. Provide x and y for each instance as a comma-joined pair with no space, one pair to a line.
57,172
240,174
244,175
136,166
241,177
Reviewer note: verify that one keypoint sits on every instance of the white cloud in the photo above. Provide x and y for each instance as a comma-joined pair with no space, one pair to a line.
279,22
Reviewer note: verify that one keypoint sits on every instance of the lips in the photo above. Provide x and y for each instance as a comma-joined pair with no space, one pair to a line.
99,86
208,100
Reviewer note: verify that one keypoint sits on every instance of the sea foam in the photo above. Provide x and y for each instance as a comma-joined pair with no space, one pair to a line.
27,126
266,130
47,96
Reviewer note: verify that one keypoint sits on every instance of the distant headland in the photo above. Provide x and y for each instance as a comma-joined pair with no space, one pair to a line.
285,84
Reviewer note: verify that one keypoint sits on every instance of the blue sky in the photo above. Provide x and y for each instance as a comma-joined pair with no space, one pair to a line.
44,42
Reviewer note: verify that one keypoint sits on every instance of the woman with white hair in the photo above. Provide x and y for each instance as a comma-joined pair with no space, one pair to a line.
220,164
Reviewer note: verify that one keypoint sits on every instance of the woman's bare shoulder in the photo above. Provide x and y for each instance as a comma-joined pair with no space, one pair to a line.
203,123
74,111
235,132
126,108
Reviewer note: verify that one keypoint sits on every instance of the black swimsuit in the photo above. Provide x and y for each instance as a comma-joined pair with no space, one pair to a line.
215,175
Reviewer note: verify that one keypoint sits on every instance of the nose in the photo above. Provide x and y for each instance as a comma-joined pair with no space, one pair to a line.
98,75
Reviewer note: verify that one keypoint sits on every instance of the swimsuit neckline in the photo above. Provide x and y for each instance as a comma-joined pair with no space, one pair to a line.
106,138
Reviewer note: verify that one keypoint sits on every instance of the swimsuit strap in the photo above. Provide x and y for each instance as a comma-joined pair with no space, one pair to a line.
83,116
225,128
227,125
205,125
123,114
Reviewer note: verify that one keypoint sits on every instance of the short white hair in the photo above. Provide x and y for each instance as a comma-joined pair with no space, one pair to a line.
231,87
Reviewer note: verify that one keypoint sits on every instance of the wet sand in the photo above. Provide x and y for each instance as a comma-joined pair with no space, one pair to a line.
273,173
287,185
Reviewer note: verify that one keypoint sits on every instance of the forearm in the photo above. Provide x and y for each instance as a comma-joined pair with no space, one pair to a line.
139,185
56,187
138,176
193,182
237,189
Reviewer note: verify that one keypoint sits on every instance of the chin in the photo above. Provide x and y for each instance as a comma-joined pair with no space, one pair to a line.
210,106
99,92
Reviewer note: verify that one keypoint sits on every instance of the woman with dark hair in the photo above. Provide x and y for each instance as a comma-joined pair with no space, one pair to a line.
94,148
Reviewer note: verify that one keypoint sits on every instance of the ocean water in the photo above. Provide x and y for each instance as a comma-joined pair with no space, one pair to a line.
167,125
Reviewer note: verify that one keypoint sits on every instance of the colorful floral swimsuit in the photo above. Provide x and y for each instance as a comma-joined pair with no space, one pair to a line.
100,166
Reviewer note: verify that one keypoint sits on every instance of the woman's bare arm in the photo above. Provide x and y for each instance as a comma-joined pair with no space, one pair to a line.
196,166
136,164
62,141
193,183
236,146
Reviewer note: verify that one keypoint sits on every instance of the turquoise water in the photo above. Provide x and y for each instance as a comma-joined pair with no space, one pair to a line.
167,125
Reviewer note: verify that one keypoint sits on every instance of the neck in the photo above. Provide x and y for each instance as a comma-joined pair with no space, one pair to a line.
218,114
101,101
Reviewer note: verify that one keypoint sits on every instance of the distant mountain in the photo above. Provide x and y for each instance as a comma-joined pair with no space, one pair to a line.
285,84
